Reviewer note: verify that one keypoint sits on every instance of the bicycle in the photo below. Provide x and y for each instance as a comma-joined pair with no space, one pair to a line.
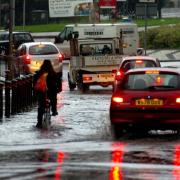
46,121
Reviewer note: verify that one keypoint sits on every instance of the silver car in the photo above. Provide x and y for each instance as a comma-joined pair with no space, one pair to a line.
31,56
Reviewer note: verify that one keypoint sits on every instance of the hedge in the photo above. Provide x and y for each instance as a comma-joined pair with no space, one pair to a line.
165,37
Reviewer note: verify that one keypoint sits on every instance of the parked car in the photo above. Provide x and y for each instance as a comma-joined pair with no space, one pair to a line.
31,56
146,98
18,39
132,62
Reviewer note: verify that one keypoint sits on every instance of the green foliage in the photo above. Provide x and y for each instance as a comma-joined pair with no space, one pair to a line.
164,37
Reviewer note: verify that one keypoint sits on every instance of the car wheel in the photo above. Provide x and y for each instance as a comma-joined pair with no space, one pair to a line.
139,131
116,130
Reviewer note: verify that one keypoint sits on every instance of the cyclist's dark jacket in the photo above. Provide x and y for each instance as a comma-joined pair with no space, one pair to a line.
51,82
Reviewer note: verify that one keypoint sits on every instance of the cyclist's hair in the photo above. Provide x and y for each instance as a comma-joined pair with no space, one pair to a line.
47,67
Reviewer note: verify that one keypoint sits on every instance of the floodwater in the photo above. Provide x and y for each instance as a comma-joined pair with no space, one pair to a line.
79,145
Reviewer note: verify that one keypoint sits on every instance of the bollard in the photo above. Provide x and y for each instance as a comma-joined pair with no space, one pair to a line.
1,99
7,98
18,95
34,92
31,90
26,88
14,97
21,92
24,92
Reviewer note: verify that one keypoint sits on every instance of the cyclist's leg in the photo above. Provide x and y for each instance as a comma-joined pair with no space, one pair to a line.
53,103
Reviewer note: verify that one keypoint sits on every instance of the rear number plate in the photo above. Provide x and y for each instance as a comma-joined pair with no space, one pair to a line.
106,75
149,102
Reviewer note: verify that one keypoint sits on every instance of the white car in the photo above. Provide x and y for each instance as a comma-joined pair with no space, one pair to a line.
133,62
31,56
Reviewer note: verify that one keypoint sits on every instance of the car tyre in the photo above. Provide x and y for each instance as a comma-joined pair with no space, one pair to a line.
139,131
116,131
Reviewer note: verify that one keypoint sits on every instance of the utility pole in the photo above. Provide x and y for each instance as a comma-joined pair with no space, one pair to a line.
145,30
0,13
13,14
24,14
10,56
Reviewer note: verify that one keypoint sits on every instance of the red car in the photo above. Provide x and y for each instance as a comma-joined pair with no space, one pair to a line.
146,98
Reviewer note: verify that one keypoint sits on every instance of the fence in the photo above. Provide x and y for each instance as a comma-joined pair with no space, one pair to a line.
16,95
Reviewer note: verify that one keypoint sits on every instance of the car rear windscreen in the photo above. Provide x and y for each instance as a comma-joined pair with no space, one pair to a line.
42,49
150,81
133,64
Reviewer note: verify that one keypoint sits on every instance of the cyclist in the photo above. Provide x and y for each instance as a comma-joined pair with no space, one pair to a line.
47,71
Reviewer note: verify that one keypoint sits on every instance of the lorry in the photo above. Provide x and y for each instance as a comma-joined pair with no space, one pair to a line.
96,50
102,30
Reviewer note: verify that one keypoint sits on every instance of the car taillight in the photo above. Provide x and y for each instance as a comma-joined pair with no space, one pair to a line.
61,57
87,78
27,60
117,99
139,61
119,75
178,100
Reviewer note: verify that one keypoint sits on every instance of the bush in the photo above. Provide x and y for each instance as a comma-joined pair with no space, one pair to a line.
165,37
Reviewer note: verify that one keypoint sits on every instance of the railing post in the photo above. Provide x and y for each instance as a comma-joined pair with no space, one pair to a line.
7,98
18,95
1,99
14,97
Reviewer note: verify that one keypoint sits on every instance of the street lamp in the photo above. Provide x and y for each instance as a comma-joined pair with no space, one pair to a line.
24,14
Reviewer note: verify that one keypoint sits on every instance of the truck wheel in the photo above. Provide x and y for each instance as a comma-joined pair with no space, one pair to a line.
72,86
82,87
85,87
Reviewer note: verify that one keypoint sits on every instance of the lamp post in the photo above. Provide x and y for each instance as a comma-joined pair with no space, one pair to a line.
10,72
24,14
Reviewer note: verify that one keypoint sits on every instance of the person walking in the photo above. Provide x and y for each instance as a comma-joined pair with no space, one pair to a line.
47,73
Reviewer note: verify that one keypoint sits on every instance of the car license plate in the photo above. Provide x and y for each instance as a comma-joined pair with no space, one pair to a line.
106,75
149,102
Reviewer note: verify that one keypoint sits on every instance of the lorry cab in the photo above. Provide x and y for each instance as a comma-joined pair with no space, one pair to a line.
64,34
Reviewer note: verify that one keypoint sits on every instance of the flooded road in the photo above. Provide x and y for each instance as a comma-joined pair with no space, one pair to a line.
80,145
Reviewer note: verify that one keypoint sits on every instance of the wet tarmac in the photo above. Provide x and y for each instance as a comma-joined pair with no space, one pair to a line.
79,145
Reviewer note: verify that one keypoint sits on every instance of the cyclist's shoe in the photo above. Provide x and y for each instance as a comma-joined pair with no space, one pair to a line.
55,113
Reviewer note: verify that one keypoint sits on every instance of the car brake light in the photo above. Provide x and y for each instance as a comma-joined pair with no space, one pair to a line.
87,78
61,57
117,99
27,60
178,100
119,75
139,61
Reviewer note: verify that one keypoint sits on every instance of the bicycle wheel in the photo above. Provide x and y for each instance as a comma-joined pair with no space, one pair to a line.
47,117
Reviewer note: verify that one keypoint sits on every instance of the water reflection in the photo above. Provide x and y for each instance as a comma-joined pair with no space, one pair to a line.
117,160
60,159
50,164
147,163
176,162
